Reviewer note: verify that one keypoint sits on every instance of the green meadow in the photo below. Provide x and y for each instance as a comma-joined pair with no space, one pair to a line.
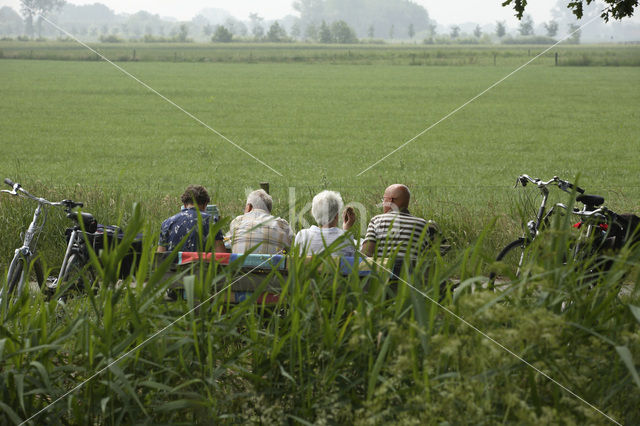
87,131
335,349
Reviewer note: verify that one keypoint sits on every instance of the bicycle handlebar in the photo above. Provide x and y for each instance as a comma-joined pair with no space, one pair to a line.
562,184
17,187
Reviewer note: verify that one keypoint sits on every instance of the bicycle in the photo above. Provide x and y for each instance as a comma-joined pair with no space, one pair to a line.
26,259
594,238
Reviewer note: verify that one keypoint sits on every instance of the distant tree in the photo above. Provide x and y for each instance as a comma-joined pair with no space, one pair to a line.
324,34
342,33
207,30
411,31
575,32
391,31
256,26
222,34
371,32
295,31
31,8
10,22
616,9
500,29
276,33
361,14
235,26
258,32
183,33
455,32
311,32
431,29
526,26
477,32
552,28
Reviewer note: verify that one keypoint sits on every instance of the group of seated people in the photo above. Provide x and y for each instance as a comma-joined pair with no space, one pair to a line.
393,231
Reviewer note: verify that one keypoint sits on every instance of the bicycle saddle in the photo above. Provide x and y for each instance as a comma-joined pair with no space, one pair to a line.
90,223
591,201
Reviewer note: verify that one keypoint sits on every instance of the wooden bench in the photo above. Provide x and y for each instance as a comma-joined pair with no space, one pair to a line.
256,268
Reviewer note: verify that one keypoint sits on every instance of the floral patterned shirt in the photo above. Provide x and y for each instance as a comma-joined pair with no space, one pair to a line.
174,229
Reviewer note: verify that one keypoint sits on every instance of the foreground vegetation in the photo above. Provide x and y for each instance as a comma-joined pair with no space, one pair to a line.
333,350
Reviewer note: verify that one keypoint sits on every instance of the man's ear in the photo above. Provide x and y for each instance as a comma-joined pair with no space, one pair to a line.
248,208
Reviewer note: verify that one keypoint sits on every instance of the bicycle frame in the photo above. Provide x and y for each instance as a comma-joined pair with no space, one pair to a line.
27,251
533,226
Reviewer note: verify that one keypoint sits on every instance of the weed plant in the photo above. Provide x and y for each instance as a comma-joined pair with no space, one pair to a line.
334,349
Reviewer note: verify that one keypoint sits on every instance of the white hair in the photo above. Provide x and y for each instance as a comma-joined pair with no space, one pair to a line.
326,206
259,199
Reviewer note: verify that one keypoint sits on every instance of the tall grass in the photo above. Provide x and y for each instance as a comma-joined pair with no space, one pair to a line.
335,349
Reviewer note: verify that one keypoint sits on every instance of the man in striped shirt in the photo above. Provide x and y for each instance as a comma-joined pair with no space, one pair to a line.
396,230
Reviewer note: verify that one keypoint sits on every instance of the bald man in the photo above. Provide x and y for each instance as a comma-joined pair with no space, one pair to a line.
396,229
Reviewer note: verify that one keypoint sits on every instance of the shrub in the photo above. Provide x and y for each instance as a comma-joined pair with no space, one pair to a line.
111,39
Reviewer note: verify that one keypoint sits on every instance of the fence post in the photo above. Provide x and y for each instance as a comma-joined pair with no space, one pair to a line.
134,54
265,186
495,55
556,59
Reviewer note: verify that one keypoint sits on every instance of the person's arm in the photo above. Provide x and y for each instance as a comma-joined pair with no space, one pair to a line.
368,247
219,247
163,240
369,244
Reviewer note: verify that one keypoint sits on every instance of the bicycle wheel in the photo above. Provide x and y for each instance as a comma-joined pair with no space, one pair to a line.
20,275
74,273
510,260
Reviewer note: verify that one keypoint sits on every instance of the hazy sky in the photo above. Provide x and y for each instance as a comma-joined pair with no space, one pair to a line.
443,11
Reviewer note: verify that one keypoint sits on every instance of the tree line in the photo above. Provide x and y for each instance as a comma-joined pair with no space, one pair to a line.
319,21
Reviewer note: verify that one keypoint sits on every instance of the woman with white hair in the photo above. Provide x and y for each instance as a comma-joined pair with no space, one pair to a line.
325,208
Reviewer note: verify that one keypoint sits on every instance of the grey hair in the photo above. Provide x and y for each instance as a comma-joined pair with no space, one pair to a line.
326,206
259,199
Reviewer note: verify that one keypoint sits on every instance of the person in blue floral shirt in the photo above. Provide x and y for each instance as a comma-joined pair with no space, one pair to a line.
175,228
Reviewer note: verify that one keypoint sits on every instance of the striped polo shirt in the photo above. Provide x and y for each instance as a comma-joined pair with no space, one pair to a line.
399,230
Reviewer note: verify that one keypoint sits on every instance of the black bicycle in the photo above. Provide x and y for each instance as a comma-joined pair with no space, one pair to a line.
26,261
600,228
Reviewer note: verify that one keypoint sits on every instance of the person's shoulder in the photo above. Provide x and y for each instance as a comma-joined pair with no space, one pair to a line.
235,221
378,217
173,218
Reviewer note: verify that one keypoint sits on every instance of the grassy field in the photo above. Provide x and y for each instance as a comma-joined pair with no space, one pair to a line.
85,130
363,54
338,349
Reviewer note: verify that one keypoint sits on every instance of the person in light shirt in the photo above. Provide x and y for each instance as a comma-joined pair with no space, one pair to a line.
326,208
257,229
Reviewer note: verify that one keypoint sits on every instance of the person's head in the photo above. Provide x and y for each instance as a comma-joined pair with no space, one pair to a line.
326,207
195,195
259,199
396,197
